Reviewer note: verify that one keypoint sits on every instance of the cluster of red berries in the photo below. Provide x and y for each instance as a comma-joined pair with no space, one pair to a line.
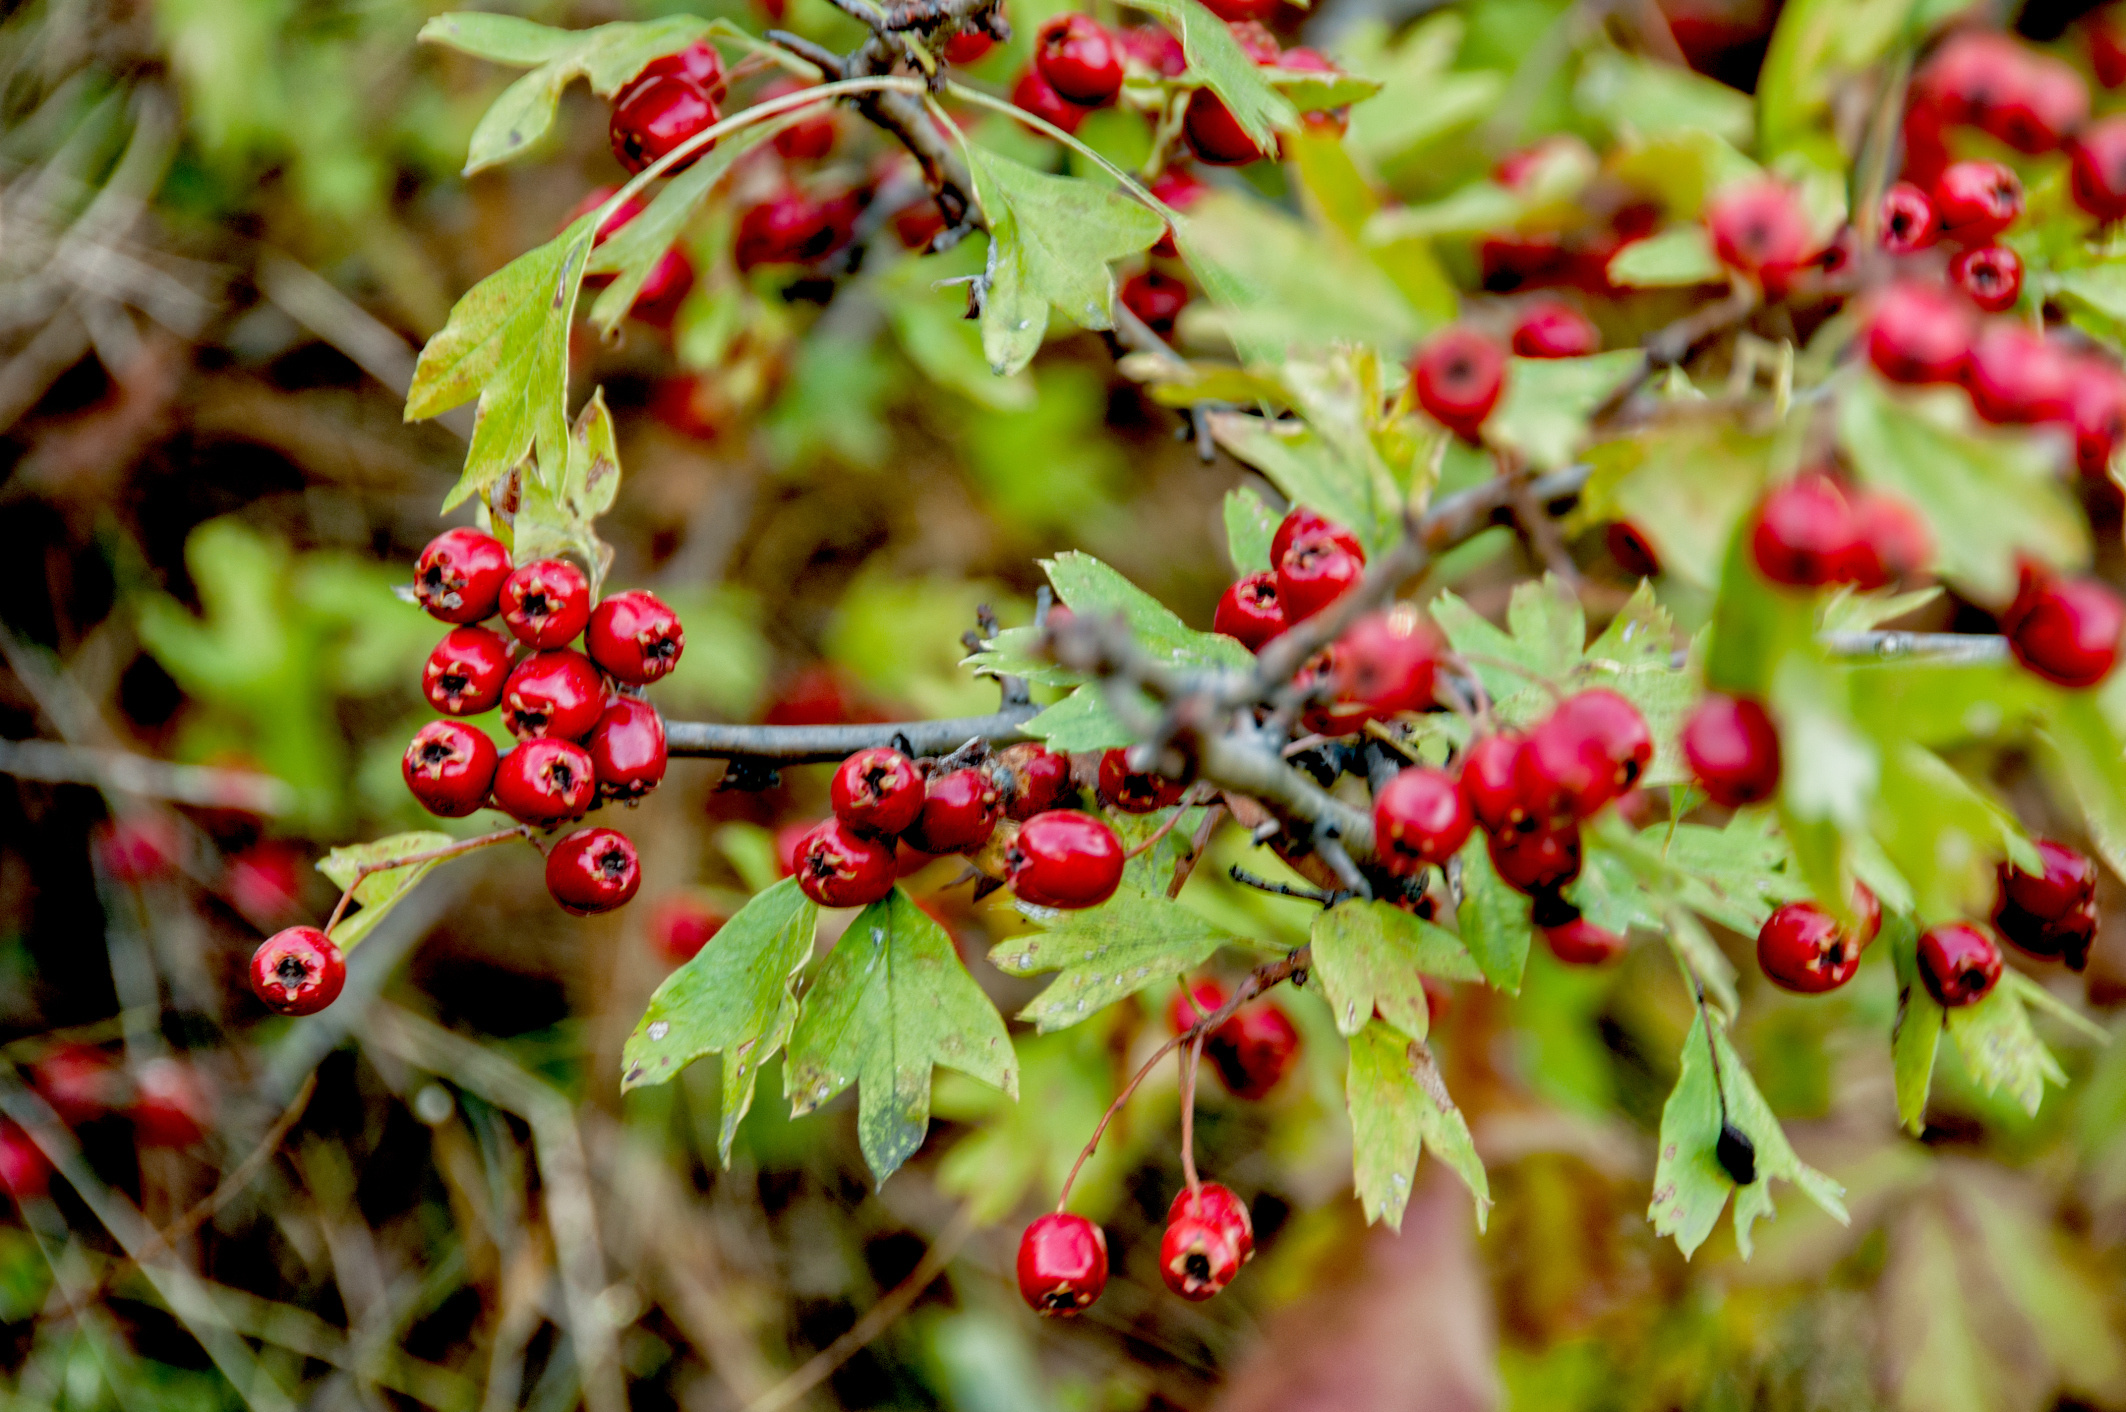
165,1100
1810,532
2050,913
1459,375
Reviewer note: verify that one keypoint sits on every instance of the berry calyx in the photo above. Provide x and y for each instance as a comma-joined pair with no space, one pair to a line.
2065,629
960,809
1136,791
627,749
1251,611
2019,377
1032,94
1538,860
450,767
2098,172
1253,1050
1491,778
1156,299
1039,780
682,924
1078,58
1062,1264
557,693
1421,817
1959,963
839,867
1315,572
592,871
1920,333
1459,377
634,637
1214,134
545,782
1908,219
1551,329
877,791
1759,229
1804,535
465,673
1301,523
1580,942
1064,859
1803,948
458,577
298,971
1991,276
1196,1258
655,116
1733,750
1589,750
1388,662
546,603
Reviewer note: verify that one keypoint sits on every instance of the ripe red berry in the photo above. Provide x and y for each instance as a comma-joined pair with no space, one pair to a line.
839,867
1908,219
1136,791
2065,629
24,1172
2019,377
79,1081
634,637
458,577
1387,662
1156,299
545,782
1064,859
1079,59
1062,1264
960,809
2097,413
449,767
785,228
1550,329
1975,201
1959,963
1580,942
1802,948
627,749
681,924
1242,11
1196,1258
464,675
1250,611
1491,778
1628,545
1156,51
1759,229
1191,1002
298,971
1733,750
1214,134
1589,750
2044,103
2050,913
592,870
2099,168
557,693
1540,860
1991,275
1920,333
1216,1205
1301,523
1253,1050
968,47
669,279
1315,572
1256,41
810,137
877,791
1032,94
699,64
1459,377
655,116
1176,186
1890,540
265,881
1421,817
1804,535
171,1106
1039,780
545,604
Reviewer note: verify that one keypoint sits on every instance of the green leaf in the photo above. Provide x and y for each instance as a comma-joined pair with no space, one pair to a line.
1311,470
1398,1107
891,1001
1050,241
938,338
1029,1147
505,39
2092,765
2034,994
1371,957
1092,590
1543,416
1311,91
1685,485
736,998
1988,498
1943,834
563,519
1493,920
1250,525
1916,1034
1217,58
1635,657
2001,1050
1548,629
381,891
1678,257
1643,95
507,344
1134,939
1850,610
1079,722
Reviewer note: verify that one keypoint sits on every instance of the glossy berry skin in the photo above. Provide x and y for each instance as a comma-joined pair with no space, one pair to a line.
1253,1050
1420,817
960,811
1136,791
1156,299
627,749
1216,1205
1959,963
556,693
1991,276
1802,948
1733,750
2065,629
1064,859
839,867
1251,611
1975,201
298,971
634,637
592,871
1196,1258
2018,377
1491,778
1920,333
2098,174
1242,11
1760,230
1032,94
1040,781
1314,573
545,782
1062,1264
458,577
699,64
1541,860
1908,219
24,1172
877,792
1459,377
1388,662
465,673
784,228
2051,913
656,115
450,767
1589,750
1550,329
1079,59
968,47
1580,942
1301,523
1804,535
1214,134
545,604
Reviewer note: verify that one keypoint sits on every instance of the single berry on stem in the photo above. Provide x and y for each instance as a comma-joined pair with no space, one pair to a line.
1215,1204
545,604
545,782
1991,276
1214,134
839,867
1064,859
627,749
298,971
1540,860
1491,777
1804,535
1032,94
1421,818
1315,572
1959,963
1920,333
1581,942
959,811
699,64
1388,662
1975,201
1459,377
592,871
1040,780
1908,219
2065,629
1759,229
1733,750
968,47
556,693
465,673
1251,611
1301,523
1062,1264
1156,299
877,791
2019,377
2052,912
1254,1049
1593,747
1196,1258
1550,328
459,576
634,637
450,767
1803,948
1079,59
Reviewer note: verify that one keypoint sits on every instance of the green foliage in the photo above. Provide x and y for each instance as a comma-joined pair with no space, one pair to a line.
1399,1108
1543,416
1371,959
1216,58
1493,919
1135,939
377,893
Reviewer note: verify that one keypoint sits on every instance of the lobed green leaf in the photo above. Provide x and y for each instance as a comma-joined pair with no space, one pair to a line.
377,894
1372,958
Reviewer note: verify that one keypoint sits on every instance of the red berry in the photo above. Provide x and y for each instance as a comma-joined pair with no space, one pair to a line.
1629,546
1242,11
1039,780
1196,1258
1908,219
1255,41
968,47
79,1081
959,812
785,228
1065,859
2052,912
1802,948
877,791
1920,333
23,1168
1459,376
464,675
1805,535
1251,612
682,924
1192,1002
635,637
171,1107
654,117
1216,1205
2041,106
699,64
1156,50
1253,1050
138,848
810,137
2107,48
1301,523
1214,134
1759,228
2065,629
1589,750
1314,573
1421,817
1890,540
265,881
1079,59
1975,201
545,782
1580,942
1156,299
459,575
1062,1264
2099,171
1733,750
450,767
2016,376
2098,415
1973,72
839,867
298,971
1959,962
1542,860
1387,662
1032,94
1491,778
1136,791
545,604
592,870
1176,186
1549,329
669,279
1991,275
556,693
627,749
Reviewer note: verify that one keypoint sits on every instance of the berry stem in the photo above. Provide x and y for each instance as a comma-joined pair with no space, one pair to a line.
1190,1064
1167,827
433,855
1186,865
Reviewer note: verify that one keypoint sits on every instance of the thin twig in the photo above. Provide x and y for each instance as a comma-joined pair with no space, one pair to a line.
1186,865
1189,1067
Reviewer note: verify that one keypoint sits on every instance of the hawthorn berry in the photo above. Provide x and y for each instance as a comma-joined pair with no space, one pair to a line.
1253,1050
1538,860
450,767
1990,275
1064,859
1079,59
2065,629
1458,377
80,1081
458,577
1242,11
1420,817
1191,1002
24,1172
1197,1259
1890,540
1908,219
969,46
1491,778
2051,912
1176,186
1805,949
839,867
2107,48
592,871
1215,1204
1804,535
2017,376
1033,95
656,116
807,138
546,603
669,279
1251,612
699,64
877,791
1733,750
1549,328
1214,134
1301,523
1580,942
2098,172
1315,572
960,809
634,637
298,971
465,673
1759,229
2097,413
1594,746
627,749
1628,545
1156,299
1387,662
545,782
1136,791
171,1106
1039,780
265,881
681,924
1959,962
786,227
1154,49
2044,103
1920,333
555,693
1062,1264
1975,201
